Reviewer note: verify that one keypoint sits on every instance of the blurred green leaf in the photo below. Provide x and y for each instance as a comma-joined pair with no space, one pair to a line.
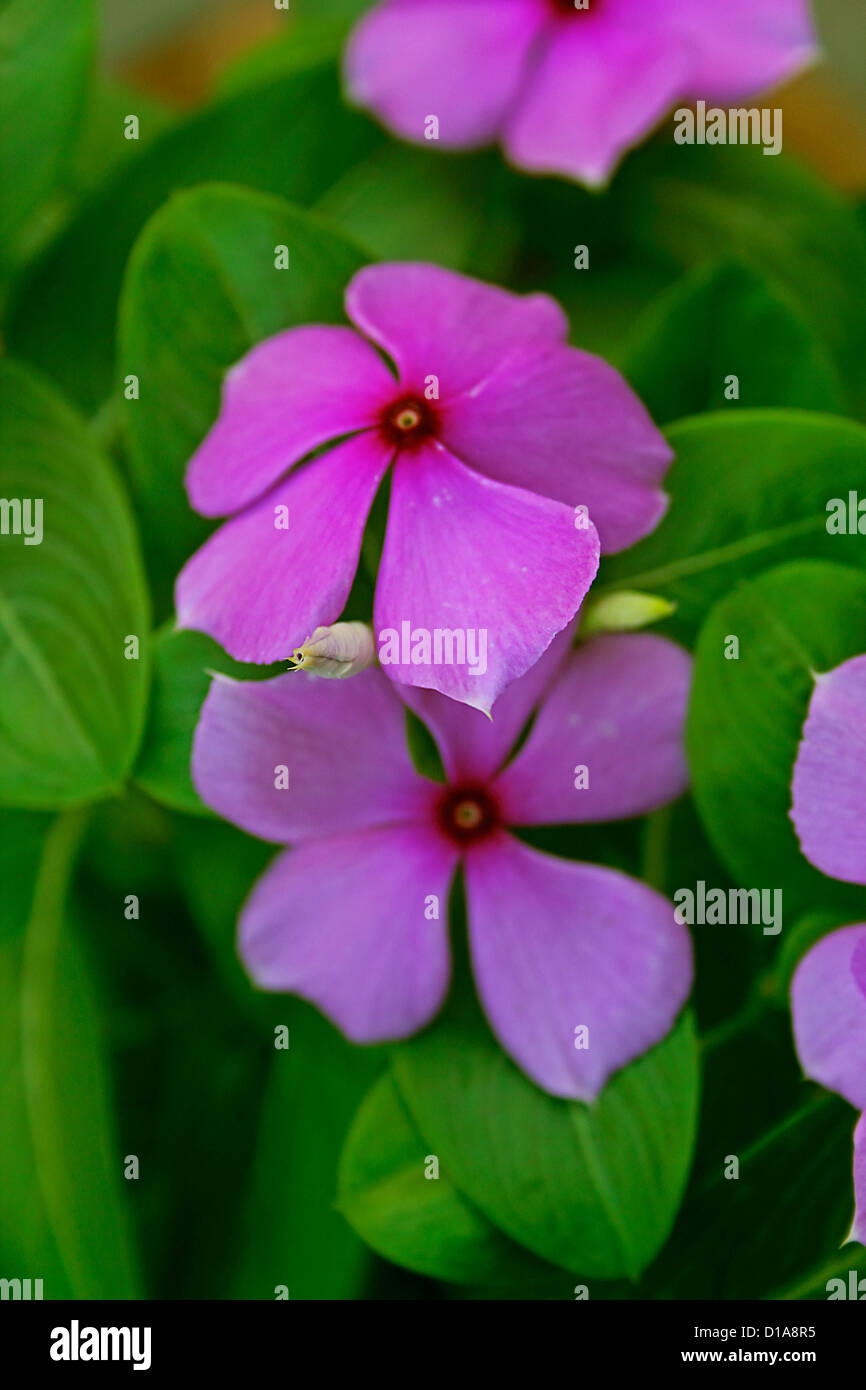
748,490
288,136
71,704
685,204
592,1189
201,289
77,1158
724,320
292,1234
46,54
746,719
423,1223
772,1231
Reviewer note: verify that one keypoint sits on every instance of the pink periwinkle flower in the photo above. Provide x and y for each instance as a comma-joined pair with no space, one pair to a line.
354,915
828,995
565,90
511,454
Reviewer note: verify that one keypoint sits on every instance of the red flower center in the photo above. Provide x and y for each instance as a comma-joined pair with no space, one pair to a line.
568,7
468,814
408,422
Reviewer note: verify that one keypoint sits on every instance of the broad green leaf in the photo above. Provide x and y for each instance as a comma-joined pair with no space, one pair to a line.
201,289
46,53
406,203
746,718
591,1189
748,489
288,136
182,667
292,1234
685,205
772,1231
71,703
78,1161
722,321
418,1218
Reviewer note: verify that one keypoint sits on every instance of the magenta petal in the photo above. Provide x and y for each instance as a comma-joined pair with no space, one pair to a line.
567,425
829,1015
460,62
618,709
436,323
858,965
289,395
343,743
474,746
858,1231
501,566
830,772
557,946
743,47
599,89
261,590
345,922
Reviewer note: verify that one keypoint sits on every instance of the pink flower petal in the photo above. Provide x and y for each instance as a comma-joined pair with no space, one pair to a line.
858,1231
286,397
459,60
829,1015
618,708
743,47
830,772
566,425
600,87
501,565
557,946
345,923
436,323
343,743
474,746
260,590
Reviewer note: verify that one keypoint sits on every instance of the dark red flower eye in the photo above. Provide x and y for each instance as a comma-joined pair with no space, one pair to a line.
468,814
408,422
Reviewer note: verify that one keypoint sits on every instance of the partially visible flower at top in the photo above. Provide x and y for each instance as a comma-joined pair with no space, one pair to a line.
579,968
565,89
512,454
828,994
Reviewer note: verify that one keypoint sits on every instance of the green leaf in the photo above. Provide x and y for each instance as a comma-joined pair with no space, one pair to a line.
406,203
71,704
746,718
775,1230
592,1189
292,1233
46,53
744,327
289,136
748,490
424,1223
78,1161
684,203
201,289
182,667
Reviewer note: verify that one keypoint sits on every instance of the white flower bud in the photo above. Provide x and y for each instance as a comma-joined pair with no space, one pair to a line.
336,652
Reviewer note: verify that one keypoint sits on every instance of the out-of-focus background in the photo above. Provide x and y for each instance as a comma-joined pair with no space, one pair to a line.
175,49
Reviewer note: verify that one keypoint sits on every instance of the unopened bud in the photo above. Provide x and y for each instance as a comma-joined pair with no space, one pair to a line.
336,652
624,611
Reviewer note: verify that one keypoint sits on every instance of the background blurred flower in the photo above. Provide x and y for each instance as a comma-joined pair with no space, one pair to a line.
828,994
828,1001
354,917
565,90
497,430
